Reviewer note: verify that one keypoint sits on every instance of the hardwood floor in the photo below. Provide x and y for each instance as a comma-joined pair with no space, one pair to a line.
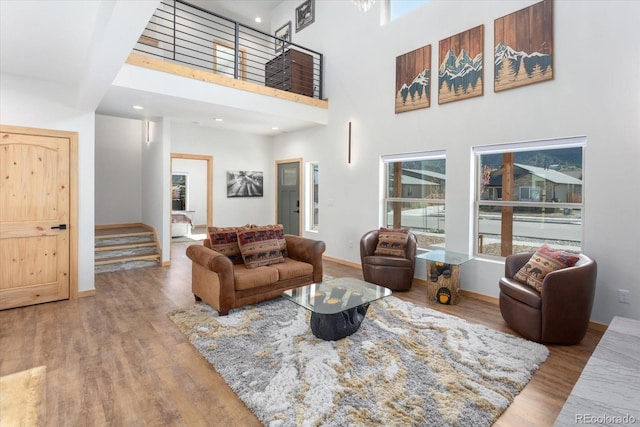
116,359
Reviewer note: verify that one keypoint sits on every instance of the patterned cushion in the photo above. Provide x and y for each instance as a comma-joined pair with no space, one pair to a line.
392,242
225,241
259,246
544,261
279,234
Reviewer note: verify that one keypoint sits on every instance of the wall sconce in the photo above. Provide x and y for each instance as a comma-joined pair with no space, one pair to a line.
147,136
349,156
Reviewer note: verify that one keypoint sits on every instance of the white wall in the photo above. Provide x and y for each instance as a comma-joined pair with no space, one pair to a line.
196,171
594,93
117,170
231,151
31,103
156,182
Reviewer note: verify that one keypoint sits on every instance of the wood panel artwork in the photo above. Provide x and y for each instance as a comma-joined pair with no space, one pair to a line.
461,70
523,46
413,80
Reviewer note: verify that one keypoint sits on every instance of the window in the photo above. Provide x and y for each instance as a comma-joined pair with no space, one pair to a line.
312,196
179,191
414,195
529,194
398,8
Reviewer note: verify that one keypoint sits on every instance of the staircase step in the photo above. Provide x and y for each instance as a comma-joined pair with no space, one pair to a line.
128,258
124,247
109,268
116,235
117,247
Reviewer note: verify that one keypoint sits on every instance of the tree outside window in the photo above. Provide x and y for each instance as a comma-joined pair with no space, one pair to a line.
415,196
529,194
179,192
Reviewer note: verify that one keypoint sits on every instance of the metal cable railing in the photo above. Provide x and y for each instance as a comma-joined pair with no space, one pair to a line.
200,39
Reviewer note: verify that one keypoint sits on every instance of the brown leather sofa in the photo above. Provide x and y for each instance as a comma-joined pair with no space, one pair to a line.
560,313
224,285
395,273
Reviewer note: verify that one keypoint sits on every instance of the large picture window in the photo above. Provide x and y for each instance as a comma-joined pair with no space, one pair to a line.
414,195
528,194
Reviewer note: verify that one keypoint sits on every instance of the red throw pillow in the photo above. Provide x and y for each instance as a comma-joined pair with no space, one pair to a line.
259,246
224,240
392,242
544,261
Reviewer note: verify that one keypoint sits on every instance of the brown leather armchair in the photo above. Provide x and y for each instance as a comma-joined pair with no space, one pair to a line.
560,313
395,273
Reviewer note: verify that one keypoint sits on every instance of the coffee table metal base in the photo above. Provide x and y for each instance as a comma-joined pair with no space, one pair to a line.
332,327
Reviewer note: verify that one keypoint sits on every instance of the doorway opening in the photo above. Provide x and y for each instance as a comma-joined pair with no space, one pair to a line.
191,196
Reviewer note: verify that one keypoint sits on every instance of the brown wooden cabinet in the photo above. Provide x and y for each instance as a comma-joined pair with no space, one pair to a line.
291,71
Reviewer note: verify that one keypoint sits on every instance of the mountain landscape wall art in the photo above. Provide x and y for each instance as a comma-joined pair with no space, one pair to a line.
523,47
460,75
413,80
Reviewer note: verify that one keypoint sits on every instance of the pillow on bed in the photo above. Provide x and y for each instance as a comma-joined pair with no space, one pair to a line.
224,240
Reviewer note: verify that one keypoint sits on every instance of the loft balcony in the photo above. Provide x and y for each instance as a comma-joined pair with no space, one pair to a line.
229,65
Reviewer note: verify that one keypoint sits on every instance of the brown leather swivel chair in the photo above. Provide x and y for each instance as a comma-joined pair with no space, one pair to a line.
560,313
395,273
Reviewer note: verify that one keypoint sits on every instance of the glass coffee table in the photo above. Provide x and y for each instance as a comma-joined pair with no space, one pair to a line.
337,306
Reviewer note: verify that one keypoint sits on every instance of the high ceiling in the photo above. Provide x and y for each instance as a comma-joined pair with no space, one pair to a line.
40,41
243,11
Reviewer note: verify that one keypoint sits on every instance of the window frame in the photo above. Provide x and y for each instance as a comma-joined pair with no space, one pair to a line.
312,220
516,147
385,199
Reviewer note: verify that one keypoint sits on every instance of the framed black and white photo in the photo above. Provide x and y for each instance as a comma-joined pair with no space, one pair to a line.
283,33
244,183
305,14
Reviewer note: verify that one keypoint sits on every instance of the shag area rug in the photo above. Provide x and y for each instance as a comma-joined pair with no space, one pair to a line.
406,365
22,398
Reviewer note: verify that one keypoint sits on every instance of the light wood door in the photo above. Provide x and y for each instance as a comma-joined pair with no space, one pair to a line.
34,219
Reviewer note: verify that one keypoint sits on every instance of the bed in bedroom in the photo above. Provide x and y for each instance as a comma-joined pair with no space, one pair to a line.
181,223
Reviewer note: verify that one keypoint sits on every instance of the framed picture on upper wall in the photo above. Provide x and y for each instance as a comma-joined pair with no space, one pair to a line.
305,14
461,68
523,46
283,33
244,183
413,80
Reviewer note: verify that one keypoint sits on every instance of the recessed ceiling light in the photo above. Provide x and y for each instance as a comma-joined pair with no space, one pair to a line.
217,119
275,128
258,19
138,107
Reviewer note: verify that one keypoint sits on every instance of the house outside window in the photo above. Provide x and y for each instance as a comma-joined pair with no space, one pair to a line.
414,195
529,194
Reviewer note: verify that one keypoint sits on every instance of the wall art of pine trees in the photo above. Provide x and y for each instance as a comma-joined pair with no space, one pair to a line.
413,80
460,74
523,48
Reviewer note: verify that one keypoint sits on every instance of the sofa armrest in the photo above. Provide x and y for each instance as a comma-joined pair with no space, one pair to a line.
213,261
306,250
